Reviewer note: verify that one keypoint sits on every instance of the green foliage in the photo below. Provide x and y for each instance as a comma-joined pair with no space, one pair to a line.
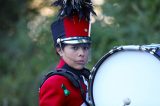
135,23
23,57
26,45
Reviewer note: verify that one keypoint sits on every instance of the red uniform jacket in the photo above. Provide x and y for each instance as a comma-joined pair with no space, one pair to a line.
52,94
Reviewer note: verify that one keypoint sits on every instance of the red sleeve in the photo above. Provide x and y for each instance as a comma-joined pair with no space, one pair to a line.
51,93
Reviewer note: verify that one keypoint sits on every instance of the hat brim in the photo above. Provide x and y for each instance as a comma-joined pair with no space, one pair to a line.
74,40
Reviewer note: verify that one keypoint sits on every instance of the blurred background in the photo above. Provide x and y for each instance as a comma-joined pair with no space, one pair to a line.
26,47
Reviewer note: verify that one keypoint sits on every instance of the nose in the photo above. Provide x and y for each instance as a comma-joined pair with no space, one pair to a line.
81,52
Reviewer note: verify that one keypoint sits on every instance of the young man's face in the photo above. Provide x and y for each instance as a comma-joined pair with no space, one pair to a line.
76,56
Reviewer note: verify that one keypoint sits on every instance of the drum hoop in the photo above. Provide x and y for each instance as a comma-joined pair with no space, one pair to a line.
150,50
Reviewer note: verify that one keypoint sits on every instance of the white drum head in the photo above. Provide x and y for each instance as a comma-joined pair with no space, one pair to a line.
128,78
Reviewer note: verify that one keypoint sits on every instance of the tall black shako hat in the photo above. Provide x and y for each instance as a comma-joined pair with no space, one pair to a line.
73,24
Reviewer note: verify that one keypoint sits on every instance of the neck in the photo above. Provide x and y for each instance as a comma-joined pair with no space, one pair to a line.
62,64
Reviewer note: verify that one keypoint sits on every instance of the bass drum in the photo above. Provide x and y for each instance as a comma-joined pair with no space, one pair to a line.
127,76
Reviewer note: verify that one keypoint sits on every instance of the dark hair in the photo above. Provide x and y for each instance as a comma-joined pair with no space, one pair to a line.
61,47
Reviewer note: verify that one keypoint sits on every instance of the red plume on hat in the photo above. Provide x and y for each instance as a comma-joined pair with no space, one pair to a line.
73,24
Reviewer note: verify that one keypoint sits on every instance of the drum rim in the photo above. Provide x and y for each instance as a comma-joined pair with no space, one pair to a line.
94,70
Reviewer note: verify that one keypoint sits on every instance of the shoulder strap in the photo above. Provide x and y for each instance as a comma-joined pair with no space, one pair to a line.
75,80
63,72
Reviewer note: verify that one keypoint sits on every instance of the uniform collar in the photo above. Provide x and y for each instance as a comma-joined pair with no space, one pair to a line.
60,64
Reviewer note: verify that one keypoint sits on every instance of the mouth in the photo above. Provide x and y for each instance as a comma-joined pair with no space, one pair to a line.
81,62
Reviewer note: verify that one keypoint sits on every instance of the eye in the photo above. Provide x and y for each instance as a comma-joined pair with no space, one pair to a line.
75,47
85,48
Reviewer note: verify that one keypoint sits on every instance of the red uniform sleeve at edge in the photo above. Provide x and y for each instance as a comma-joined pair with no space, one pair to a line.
51,93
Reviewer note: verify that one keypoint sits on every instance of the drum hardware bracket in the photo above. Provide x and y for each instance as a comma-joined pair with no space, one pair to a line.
93,70
131,47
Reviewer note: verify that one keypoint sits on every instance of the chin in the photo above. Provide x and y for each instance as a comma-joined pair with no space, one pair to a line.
79,67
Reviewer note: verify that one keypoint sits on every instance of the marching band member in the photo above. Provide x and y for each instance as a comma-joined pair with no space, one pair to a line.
65,85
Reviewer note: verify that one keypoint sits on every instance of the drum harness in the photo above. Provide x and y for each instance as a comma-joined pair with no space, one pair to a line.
73,78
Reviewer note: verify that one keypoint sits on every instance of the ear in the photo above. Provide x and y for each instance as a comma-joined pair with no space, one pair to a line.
59,51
